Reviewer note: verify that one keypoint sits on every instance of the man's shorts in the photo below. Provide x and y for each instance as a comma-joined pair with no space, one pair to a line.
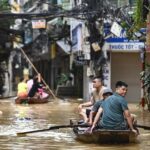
121,126
88,112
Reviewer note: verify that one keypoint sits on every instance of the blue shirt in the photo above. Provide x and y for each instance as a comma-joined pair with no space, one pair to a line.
97,105
113,112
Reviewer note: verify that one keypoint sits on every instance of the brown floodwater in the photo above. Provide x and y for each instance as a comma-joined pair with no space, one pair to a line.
18,118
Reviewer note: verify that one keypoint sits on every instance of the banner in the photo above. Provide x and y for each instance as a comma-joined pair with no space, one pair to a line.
77,38
38,24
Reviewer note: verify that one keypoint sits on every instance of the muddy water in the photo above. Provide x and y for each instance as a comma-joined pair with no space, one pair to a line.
18,118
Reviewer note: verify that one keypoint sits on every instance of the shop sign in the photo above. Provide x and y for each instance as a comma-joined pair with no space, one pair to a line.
106,74
80,62
125,46
116,29
38,24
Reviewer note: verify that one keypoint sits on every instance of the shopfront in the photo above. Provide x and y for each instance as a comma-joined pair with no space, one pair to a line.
126,65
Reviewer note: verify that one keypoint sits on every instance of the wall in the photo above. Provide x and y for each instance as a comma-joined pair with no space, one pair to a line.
127,67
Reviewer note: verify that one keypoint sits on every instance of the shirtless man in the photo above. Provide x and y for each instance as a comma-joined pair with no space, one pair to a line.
106,93
96,95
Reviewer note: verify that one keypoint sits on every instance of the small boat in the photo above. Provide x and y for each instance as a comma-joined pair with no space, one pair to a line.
31,100
104,136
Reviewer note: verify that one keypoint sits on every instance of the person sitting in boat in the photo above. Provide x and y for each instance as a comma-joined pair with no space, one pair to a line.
22,88
116,114
106,93
36,85
37,89
96,95
42,93
30,83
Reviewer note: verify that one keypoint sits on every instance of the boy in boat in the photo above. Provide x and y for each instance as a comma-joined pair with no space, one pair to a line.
116,114
106,93
96,95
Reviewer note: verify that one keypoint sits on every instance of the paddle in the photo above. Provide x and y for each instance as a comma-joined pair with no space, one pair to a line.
143,127
52,128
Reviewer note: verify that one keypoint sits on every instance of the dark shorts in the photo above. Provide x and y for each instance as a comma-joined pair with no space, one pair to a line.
124,125
88,112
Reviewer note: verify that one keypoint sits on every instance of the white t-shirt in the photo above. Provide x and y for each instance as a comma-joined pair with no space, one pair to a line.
29,84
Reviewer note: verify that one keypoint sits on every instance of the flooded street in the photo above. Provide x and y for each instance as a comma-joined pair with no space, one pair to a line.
18,118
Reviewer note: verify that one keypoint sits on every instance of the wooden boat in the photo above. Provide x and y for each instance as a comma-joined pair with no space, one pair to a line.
104,136
31,100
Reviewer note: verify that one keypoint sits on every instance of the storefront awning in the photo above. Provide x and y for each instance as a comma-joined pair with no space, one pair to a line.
64,46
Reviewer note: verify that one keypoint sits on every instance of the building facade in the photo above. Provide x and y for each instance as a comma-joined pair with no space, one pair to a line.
54,55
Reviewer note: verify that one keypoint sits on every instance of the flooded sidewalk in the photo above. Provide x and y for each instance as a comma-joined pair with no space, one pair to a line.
19,118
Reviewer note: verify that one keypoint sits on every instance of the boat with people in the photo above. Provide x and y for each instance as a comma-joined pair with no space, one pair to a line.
104,136
32,100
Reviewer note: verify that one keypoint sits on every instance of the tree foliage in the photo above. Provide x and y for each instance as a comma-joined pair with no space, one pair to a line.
4,5
141,12
4,26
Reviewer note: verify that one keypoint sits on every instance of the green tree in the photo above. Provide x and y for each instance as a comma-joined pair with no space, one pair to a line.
4,28
138,19
4,5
